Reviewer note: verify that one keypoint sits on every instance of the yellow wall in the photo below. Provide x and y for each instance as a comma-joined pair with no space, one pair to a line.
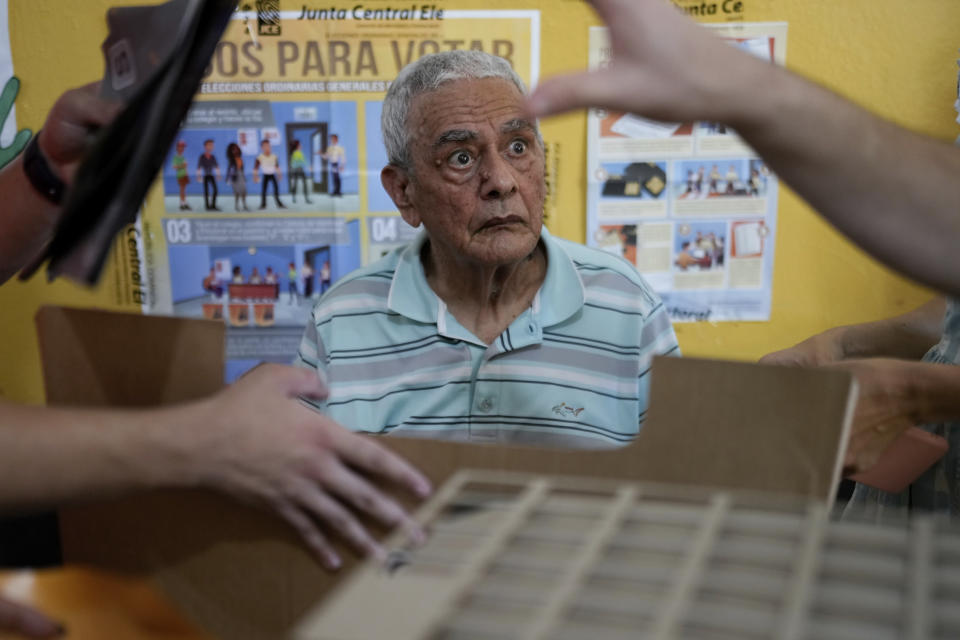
897,57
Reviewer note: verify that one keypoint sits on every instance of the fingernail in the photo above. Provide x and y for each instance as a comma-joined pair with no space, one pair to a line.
377,552
417,535
422,488
332,561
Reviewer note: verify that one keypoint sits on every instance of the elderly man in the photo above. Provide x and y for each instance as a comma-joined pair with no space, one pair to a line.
486,327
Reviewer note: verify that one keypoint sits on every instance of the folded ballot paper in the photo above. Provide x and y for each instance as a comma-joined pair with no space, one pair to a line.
155,60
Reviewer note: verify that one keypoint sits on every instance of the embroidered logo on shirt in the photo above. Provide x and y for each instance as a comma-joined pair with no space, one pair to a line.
563,409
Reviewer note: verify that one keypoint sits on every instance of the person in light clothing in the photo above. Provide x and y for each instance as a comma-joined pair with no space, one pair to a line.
269,164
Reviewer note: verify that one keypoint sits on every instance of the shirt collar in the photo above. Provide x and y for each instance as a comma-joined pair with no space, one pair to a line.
560,296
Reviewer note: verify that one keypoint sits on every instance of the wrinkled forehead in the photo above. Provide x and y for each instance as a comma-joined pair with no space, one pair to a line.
466,104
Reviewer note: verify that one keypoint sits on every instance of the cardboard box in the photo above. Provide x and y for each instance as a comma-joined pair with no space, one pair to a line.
241,573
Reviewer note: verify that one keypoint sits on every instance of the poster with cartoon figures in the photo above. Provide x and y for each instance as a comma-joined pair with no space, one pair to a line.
271,190
688,203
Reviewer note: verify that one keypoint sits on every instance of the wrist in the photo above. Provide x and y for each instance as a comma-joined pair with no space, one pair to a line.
43,144
171,446
749,98
841,342
43,176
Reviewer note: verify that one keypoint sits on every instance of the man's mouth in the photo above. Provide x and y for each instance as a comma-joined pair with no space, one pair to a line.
501,221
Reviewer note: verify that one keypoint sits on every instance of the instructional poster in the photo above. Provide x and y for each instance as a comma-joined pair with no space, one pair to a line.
271,191
688,203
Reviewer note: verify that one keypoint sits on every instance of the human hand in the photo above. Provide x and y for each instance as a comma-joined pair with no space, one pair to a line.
66,134
259,443
886,407
23,621
664,66
821,349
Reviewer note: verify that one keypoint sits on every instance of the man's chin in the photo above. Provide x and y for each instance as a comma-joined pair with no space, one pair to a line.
504,248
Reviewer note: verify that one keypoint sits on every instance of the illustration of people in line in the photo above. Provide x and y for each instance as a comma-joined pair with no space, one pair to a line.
710,181
236,177
183,175
269,164
207,168
732,178
336,157
292,283
714,178
307,273
691,183
325,276
298,166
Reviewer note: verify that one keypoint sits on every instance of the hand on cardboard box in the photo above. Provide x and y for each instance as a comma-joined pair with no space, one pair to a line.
887,405
25,622
263,445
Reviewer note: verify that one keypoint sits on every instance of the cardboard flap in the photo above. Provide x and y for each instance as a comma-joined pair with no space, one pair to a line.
100,358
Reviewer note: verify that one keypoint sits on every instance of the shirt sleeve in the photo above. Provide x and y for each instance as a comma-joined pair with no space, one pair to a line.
312,355
656,339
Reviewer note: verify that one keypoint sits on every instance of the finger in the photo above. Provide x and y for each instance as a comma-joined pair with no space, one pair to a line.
299,381
780,358
26,621
312,536
576,91
362,496
83,107
368,456
340,521
614,11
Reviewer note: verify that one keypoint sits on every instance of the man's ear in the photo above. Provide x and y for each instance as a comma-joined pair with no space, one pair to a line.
396,181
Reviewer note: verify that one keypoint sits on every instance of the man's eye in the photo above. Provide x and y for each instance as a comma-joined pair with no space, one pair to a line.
460,159
518,147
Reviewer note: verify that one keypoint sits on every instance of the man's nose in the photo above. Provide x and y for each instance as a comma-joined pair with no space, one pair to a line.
498,181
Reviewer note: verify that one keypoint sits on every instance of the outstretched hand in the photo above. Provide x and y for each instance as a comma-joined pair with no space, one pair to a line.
264,446
664,66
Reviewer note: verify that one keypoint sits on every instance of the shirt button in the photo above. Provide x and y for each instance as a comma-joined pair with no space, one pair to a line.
485,405
532,328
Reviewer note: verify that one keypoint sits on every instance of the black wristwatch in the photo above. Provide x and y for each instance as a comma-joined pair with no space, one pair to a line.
41,176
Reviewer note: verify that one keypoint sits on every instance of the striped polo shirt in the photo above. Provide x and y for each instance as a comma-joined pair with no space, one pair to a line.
572,370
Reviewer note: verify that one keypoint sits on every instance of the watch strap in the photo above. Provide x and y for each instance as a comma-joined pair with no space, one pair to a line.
41,176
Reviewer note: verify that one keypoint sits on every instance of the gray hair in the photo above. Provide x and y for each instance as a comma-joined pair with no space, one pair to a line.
428,74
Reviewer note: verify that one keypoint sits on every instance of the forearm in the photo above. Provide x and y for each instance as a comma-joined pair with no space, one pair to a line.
893,192
907,336
28,220
56,456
